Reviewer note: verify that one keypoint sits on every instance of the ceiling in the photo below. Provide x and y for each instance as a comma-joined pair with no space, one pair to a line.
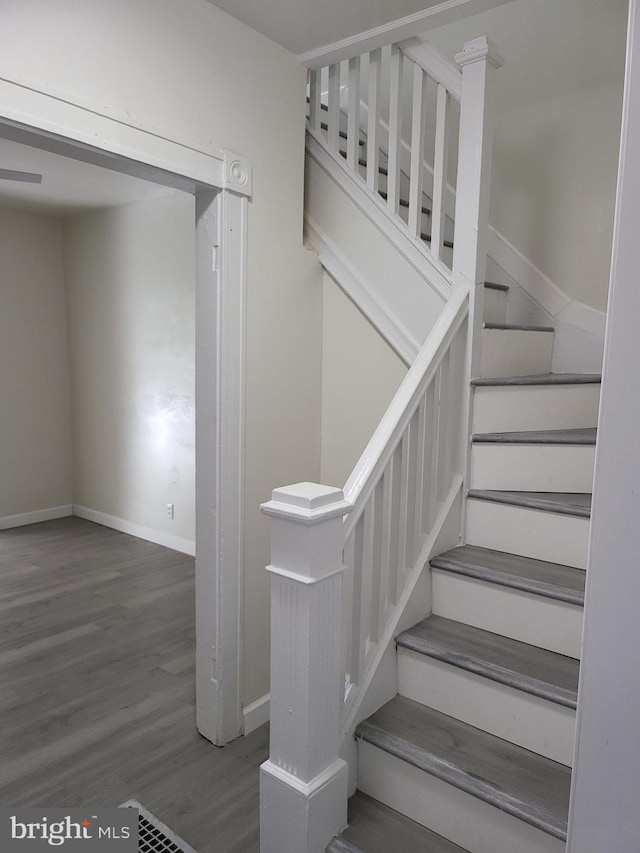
301,25
68,186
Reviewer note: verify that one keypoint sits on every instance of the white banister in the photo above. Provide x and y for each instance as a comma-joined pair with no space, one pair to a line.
418,120
395,130
373,122
440,170
315,104
303,785
333,108
353,114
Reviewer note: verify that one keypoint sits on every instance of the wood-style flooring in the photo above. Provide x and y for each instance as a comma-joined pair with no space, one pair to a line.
97,686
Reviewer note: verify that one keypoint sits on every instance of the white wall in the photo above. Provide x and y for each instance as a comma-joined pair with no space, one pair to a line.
130,281
35,445
186,71
559,100
606,773
360,375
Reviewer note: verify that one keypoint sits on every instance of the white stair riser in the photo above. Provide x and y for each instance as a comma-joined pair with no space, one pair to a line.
495,306
543,622
550,536
532,467
462,818
533,723
525,407
515,352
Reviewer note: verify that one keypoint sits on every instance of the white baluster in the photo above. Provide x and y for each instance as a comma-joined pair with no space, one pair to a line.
395,130
417,150
373,122
333,104
315,104
440,171
353,114
430,450
303,785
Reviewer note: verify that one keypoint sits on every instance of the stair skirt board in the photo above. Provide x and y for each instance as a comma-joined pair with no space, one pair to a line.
526,407
515,352
495,305
544,622
530,532
532,467
528,721
464,819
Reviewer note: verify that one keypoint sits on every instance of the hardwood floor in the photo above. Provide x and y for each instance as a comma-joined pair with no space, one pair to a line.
97,686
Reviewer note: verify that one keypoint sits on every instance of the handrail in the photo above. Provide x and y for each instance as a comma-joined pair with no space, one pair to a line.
376,454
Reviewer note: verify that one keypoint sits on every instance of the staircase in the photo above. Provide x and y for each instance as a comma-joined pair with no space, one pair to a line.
428,615
474,752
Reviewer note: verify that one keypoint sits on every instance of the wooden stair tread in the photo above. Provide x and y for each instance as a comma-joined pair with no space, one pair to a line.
376,828
514,780
543,436
539,672
516,327
565,503
542,379
550,580
492,285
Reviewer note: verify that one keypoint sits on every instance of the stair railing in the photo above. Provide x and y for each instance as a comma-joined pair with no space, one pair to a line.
345,562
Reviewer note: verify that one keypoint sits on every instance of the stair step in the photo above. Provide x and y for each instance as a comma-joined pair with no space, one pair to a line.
541,379
492,285
342,133
552,526
403,202
550,580
585,436
534,460
520,692
509,349
530,669
554,401
566,503
375,828
516,327
513,780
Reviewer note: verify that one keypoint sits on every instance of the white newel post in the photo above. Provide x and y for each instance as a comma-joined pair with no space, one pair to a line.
303,785
478,60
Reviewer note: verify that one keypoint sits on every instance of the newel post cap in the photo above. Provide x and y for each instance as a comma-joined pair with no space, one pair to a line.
307,503
477,50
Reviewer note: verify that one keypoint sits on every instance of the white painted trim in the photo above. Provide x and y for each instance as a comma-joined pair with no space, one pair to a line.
349,280
535,283
257,713
24,518
436,64
220,381
435,274
87,129
437,15
185,546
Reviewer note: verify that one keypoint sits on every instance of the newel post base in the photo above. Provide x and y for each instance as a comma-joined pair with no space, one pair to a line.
303,785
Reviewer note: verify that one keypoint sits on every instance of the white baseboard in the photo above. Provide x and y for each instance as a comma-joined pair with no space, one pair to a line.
24,518
256,713
185,546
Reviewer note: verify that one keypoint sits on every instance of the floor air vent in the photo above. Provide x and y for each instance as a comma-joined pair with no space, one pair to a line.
154,835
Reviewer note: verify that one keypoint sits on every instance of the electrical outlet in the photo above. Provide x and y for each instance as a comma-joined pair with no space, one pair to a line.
170,511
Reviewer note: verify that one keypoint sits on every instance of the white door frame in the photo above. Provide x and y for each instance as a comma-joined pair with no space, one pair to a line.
222,187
